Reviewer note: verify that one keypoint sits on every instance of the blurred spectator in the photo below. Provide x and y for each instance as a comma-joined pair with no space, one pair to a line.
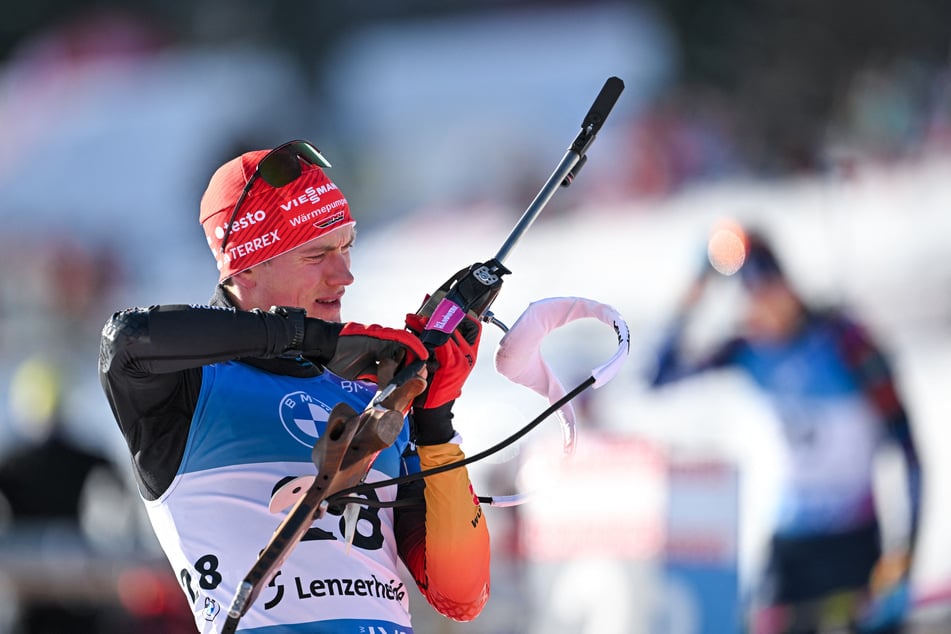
884,115
30,488
53,297
48,487
938,125
834,395
688,136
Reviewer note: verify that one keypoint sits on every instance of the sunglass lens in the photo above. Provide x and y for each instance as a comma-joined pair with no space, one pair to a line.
280,167
310,154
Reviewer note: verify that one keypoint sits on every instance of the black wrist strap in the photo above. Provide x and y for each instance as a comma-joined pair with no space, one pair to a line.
433,426
295,319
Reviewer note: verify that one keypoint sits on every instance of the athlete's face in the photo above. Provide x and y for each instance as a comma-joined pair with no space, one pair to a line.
314,276
773,312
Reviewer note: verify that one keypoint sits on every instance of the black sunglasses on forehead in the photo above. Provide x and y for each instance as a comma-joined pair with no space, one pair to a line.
279,167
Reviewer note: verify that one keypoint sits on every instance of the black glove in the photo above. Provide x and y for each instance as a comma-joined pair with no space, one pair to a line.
351,350
373,352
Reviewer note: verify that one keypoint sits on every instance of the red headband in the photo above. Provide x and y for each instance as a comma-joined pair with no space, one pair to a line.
271,221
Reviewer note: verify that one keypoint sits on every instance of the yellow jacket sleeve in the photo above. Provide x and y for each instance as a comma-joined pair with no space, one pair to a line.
445,542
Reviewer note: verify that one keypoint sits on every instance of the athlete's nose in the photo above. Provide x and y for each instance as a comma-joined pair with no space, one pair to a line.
340,274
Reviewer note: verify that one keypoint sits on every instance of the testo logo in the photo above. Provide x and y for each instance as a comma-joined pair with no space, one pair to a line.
241,222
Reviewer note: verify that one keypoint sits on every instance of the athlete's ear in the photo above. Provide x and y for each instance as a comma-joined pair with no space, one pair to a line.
245,280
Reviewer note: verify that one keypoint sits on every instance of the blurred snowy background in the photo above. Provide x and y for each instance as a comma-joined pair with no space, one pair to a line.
825,123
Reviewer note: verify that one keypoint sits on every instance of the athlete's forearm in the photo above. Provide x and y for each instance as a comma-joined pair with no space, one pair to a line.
171,338
447,548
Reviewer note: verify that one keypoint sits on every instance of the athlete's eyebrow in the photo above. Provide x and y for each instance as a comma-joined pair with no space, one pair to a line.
312,248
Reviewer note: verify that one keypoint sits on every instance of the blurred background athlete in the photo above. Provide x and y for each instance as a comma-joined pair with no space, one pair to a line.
834,395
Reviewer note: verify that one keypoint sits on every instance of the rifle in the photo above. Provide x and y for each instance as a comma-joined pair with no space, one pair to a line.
472,291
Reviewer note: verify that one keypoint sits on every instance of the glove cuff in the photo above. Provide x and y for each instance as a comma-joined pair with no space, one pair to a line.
294,321
320,339
433,425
